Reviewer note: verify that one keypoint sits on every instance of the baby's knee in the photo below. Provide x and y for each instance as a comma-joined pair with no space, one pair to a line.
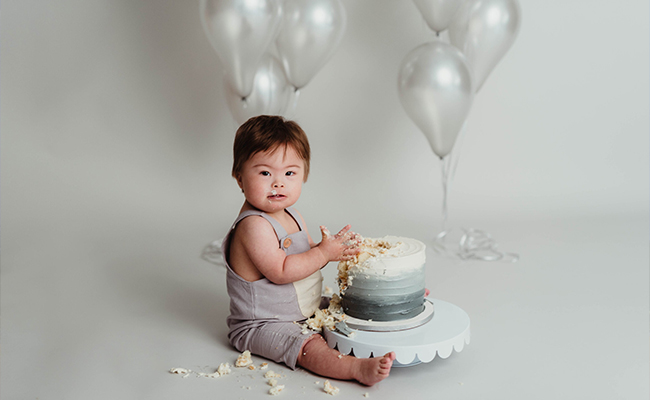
312,344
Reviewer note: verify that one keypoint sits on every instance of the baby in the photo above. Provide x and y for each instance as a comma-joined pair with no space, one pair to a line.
274,266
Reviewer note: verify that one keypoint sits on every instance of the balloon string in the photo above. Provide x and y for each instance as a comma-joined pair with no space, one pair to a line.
474,244
212,253
444,164
294,102
455,151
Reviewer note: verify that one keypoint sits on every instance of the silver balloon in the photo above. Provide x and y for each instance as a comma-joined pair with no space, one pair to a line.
271,92
438,13
435,88
310,33
241,31
484,30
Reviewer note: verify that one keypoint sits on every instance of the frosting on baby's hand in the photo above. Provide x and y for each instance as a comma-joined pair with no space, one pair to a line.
342,246
325,232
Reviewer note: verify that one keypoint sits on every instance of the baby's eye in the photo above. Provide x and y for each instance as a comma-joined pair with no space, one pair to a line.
265,173
290,173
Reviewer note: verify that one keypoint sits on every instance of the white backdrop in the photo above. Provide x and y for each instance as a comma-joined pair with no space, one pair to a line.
119,106
116,138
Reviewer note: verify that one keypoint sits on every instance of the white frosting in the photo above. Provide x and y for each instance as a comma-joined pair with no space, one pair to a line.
390,256
404,254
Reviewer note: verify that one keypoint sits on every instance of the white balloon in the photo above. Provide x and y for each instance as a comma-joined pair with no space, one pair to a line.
310,33
484,30
271,92
435,88
241,31
438,13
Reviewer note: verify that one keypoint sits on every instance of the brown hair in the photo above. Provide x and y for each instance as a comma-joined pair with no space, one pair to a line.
268,132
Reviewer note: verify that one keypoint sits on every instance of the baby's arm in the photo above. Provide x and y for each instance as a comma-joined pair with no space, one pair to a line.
261,246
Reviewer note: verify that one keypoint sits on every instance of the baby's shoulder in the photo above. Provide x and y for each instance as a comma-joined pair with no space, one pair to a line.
254,226
254,220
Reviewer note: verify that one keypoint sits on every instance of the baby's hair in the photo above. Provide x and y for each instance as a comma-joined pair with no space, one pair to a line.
268,132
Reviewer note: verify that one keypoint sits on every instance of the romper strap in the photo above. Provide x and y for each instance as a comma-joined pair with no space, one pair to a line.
280,232
296,217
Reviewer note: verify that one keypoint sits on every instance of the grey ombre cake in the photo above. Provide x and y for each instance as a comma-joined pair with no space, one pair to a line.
385,282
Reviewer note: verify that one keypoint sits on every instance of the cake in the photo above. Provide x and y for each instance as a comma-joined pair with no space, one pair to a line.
385,281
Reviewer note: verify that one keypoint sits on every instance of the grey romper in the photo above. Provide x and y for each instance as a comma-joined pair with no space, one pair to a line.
262,313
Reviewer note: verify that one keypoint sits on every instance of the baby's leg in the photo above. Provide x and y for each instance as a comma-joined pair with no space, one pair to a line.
317,357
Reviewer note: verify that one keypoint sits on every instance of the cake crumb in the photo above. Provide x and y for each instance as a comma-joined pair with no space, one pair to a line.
264,365
215,374
366,394
224,369
328,291
271,374
204,375
181,371
340,356
251,367
275,390
244,359
272,382
325,318
329,389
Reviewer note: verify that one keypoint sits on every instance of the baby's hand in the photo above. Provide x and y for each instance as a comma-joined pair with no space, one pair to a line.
342,246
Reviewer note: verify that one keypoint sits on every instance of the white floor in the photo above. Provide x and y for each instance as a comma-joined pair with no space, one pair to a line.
104,314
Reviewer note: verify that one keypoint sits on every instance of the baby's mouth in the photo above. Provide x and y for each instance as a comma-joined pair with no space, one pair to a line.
277,196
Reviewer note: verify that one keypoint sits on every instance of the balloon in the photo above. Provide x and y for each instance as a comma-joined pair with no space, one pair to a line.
438,13
310,33
435,88
484,30
271,92
241,31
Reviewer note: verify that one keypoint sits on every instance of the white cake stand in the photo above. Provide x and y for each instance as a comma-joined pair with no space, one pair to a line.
446,331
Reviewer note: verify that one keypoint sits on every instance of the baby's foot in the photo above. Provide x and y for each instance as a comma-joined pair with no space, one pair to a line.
373,370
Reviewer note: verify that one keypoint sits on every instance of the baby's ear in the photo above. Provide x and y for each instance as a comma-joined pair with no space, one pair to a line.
239,182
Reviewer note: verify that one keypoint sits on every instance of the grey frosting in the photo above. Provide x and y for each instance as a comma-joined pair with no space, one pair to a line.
383,298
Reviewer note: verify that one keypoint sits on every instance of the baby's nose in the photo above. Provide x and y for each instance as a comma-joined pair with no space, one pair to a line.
278,184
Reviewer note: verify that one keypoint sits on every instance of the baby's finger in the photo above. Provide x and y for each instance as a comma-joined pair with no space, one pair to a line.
325,232
343,231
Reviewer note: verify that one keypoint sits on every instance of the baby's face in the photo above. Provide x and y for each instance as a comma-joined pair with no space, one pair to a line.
272,181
